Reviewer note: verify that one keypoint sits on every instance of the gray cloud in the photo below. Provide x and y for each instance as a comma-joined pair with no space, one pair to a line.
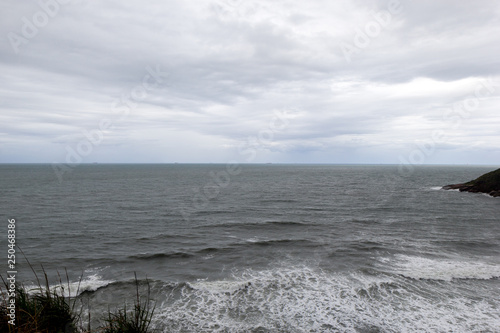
227,66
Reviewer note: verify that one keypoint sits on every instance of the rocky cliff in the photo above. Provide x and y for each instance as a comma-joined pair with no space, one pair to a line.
487,183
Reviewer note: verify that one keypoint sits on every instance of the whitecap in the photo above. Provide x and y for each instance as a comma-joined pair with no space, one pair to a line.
73,288
436,188
303,299
444,269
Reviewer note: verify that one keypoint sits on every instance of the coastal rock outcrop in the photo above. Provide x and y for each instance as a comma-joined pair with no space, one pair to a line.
488,183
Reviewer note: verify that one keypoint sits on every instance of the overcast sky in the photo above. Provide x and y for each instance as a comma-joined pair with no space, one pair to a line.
250,81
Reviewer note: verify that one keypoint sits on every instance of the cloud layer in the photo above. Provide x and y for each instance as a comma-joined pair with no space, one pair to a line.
207,81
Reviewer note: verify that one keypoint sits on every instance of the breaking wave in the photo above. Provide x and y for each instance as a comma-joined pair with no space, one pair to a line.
301,299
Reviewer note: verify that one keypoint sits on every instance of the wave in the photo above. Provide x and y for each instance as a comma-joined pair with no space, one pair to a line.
172,255
436,188
88,284
287,223
278,201
132,283
271,242
239,245
443,269
468,245
303,299
211,250
363,221
361,246
256,224
292,298
300,298
175,237
250,242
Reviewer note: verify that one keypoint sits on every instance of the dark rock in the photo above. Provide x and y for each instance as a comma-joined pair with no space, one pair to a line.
453,187
487,183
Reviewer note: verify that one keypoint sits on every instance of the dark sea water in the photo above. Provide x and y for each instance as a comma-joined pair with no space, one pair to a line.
266,248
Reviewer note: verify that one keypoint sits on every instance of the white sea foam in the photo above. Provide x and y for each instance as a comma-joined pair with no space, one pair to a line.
444,269
301,299
88,283
439,188
253,240
436,188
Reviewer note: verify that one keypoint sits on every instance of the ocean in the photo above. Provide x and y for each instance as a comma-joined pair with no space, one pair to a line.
264,248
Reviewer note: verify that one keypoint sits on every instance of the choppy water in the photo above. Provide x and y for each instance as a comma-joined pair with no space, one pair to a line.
274,248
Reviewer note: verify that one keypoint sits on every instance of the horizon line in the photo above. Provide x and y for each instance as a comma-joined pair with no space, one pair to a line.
245,163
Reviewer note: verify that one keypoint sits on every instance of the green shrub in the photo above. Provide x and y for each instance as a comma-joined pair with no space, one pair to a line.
49,310
44,311
136,321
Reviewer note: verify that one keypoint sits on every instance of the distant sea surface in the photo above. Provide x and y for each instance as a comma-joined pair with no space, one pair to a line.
265,248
